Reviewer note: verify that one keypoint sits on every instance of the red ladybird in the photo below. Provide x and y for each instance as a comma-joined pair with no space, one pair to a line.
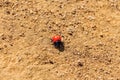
58,43
56,39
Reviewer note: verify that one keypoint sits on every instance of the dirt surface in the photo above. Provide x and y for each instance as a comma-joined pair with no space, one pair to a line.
90,30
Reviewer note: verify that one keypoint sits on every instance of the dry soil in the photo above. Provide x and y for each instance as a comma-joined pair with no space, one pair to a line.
90,30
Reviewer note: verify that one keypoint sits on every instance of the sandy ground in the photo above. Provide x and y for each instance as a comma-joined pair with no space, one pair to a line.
90,30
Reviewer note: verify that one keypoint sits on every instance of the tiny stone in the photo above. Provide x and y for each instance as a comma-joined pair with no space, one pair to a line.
51,62
8,12
1,48
91,17
80,64
101,36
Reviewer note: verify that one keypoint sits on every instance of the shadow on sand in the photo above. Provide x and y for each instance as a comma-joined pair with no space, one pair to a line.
59,46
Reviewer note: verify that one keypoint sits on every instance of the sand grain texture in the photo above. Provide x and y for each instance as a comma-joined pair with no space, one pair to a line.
90,30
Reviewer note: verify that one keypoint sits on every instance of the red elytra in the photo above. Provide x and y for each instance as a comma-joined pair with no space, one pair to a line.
56,38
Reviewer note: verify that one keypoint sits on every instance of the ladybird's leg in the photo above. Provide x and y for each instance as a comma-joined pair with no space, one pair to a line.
51,42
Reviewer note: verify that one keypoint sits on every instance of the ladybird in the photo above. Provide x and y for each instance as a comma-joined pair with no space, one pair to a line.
56,38
58,43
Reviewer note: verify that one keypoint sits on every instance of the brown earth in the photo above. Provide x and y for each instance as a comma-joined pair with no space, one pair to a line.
90,30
